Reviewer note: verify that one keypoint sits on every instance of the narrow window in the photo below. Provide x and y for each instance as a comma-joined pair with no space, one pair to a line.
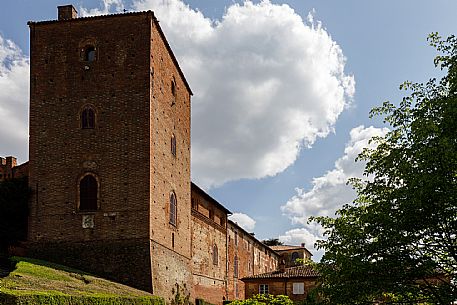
88,118
89,54
215,255
263,289
172,240
235,267
236,238
88,191
173,92
173,145
173,209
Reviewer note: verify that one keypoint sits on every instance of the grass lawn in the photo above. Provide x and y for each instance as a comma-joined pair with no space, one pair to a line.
40,278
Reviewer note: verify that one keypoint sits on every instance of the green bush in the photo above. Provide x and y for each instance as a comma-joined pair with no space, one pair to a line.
265,299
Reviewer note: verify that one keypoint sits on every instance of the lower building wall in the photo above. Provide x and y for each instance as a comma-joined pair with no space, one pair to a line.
210,290
281,286
124,261
172,276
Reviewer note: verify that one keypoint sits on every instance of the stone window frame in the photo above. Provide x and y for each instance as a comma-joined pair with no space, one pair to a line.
97,179
87,108
264,289
173,209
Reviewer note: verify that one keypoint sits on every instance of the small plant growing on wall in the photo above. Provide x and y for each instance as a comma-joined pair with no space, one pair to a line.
181,296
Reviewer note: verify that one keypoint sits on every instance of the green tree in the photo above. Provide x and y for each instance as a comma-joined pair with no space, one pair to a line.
396,243
14,195
272,242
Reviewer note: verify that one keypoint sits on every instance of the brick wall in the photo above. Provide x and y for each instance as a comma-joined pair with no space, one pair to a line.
128,86
209,275
253,258
281,286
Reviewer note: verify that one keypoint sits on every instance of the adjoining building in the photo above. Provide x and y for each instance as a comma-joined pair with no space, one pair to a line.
295,282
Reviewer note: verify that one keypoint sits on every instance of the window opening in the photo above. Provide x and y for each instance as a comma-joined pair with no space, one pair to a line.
235,267
173,92
298,288
263,289
88,118
88,191
89,54
294,257
173,145
173,208
215,255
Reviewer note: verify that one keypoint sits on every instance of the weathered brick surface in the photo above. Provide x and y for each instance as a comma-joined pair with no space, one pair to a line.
253,258
281,286
208,230
129,87
123,261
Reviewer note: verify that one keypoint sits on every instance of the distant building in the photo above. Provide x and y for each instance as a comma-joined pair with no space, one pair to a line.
290,254
9,168
295,282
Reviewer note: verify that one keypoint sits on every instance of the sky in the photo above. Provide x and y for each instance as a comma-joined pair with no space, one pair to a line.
282,93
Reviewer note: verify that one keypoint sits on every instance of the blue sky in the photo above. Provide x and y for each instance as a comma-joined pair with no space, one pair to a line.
281,69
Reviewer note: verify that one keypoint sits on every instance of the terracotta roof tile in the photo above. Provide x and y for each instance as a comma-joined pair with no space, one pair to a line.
292,272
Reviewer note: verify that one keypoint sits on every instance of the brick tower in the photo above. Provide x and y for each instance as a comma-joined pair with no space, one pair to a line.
110,150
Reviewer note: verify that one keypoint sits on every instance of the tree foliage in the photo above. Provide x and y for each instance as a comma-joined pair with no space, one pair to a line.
14,195
272,242
265,299
396,243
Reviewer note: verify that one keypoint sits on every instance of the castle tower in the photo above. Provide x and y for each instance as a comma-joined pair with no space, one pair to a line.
110,150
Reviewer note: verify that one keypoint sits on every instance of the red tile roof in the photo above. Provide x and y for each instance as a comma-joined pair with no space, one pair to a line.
292,272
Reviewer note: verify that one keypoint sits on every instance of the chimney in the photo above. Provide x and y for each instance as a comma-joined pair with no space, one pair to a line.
302,245
11,162
67,12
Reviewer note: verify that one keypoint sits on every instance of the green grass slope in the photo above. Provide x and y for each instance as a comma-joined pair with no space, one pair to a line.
39,282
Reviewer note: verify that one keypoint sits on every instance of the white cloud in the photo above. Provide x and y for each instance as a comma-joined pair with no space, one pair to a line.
266,84
243,221
108,6
14,97
329,191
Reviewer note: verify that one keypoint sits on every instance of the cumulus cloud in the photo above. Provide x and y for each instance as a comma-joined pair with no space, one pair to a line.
266,83
243,221
329,191
108,6
14,97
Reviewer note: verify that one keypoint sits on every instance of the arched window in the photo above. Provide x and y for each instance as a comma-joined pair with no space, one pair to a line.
173,208
88,193
294,257
89,53
215,255
88,118
235,267
173,145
